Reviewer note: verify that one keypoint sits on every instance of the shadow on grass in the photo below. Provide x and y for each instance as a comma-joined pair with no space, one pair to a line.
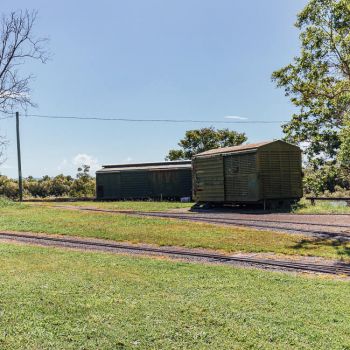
342,247
256,210
60,199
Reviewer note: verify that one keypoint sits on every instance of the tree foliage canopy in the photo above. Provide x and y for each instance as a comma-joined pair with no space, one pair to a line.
200,140
318,80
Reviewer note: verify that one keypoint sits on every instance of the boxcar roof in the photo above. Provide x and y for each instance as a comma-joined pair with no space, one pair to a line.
145,166
240,148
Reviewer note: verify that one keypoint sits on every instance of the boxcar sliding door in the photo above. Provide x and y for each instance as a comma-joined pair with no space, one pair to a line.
241,177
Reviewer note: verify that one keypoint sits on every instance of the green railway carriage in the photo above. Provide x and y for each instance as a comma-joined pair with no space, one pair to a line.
266,172
164,180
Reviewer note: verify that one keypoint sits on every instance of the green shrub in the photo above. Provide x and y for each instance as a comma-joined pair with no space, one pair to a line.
58,186
328,179
8,187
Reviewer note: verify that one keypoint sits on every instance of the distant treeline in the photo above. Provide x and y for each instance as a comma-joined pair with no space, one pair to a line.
329,182
59,186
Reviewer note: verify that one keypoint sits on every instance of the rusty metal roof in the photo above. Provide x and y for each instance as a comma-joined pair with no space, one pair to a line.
145,166
240,148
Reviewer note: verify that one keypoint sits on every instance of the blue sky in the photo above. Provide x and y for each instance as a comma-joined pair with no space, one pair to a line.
174,59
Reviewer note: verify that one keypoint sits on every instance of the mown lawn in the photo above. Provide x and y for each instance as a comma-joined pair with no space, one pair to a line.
303,207
125,205
157,231
57,299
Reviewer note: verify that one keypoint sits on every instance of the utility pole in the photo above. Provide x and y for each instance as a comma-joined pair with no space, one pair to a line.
20,184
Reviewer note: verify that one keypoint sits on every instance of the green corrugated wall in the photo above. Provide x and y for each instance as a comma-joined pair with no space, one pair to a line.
143,184
272,171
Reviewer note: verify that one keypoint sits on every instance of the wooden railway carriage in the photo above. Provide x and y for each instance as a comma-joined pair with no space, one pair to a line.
266,172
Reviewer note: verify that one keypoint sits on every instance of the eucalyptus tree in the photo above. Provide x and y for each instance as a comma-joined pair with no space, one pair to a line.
318,81
18,44
200,140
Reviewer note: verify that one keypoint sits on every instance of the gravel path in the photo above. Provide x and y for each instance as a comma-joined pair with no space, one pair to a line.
322,226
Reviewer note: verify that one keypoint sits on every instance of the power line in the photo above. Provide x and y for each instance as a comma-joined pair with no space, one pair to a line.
98,118
9,117
157,120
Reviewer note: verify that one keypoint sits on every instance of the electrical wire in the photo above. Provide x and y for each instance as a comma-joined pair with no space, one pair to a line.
97,118
9,117
157,120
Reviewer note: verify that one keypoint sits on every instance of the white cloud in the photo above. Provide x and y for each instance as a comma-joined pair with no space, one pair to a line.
85,159
70,165
63,165
235,117
127,160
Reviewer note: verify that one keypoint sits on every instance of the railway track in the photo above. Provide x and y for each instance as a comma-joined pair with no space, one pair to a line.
324,230
336,268
264,224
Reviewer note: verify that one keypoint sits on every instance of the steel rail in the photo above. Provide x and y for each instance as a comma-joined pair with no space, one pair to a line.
246,219
196,216
228,221
225,221
337,269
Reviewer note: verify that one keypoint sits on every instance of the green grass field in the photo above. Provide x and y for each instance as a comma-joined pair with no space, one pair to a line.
57,299
17,217
125,205
303,207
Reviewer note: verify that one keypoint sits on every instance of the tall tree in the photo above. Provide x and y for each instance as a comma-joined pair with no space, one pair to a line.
344,151
318,80
200,140
18,44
